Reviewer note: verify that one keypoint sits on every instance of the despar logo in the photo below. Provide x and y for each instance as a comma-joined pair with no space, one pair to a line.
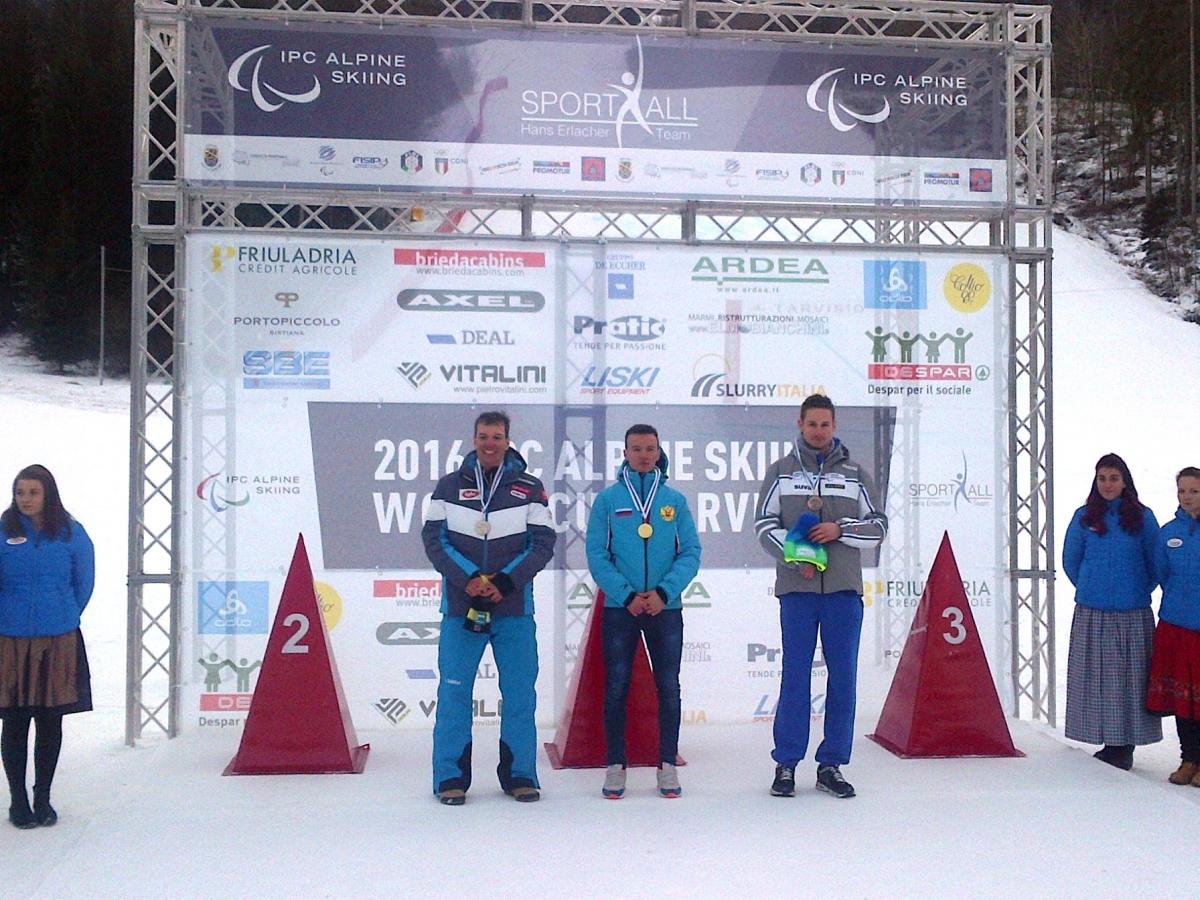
275,77
407,634
476,301
606,114
627,328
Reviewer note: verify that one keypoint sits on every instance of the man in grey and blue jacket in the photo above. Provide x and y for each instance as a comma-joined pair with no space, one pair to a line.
832,498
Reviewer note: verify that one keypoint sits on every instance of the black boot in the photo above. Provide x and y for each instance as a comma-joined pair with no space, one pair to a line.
1118,755
20,814
43,812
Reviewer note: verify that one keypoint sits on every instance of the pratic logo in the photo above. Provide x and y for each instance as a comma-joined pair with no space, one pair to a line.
933,368
232,607
408,634
619,380
743,269
476,337
967,288
953,491
220,494
286,370
411,161
431,300
597,117
393,709
632,329
894,284
415,373
721,385
454,261
278,76
279,259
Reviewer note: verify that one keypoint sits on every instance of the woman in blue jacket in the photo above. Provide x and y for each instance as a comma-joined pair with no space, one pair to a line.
643,551
47,569
1175,669
1109,557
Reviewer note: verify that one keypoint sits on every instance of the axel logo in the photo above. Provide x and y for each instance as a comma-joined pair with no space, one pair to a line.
832,106
212,492
259,88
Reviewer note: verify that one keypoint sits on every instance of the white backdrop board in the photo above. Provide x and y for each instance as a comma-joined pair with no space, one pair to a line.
333,381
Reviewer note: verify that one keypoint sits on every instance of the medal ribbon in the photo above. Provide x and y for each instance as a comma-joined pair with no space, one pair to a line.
643,508
483,504
814,483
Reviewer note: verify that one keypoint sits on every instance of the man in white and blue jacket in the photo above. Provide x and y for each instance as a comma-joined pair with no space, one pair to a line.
818,481
488,532
643,551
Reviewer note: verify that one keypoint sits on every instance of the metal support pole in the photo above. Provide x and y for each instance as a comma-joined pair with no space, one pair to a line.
100,367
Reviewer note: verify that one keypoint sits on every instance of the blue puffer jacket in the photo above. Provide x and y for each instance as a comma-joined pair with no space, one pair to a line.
624,563
1177,562
45,582
1113,571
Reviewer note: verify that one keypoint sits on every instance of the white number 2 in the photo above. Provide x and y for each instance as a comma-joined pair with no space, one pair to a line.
292,644
958,631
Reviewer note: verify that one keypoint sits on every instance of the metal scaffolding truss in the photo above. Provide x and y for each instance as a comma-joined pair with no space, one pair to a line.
165,209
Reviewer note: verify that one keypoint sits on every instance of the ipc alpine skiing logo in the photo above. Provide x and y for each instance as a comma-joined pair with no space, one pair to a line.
259,88
833,106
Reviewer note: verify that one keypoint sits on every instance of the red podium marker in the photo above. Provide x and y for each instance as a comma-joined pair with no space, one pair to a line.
298,722
942,701
579,742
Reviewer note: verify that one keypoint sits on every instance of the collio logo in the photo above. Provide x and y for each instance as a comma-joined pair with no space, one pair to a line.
835,109
259,88
478,301
967,288
330,602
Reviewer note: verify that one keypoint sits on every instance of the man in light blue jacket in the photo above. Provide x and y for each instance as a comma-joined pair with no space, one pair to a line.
643,551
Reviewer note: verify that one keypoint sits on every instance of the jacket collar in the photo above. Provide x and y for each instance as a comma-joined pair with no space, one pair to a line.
513,464
815,462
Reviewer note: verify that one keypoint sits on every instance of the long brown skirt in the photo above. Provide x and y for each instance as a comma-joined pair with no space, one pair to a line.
45,674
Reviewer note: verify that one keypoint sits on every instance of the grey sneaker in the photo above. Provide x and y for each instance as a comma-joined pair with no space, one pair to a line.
668,781
614,781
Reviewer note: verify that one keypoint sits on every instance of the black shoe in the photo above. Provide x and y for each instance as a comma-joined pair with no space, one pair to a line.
784,784
22,816
524,793
1118,755
44,813
830,780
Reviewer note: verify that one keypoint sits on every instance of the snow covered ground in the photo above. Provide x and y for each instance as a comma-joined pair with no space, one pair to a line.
158,820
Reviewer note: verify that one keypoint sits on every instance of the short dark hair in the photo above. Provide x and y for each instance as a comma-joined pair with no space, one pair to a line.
1187,472
816,401
640,429
56,521
493,417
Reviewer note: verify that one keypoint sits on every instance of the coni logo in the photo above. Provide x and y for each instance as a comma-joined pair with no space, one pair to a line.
259,88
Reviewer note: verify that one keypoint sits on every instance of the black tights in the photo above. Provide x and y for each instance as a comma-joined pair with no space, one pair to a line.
14,748
1189,738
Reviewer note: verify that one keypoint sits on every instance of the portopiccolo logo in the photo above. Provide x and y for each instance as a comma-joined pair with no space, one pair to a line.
605,115
276,77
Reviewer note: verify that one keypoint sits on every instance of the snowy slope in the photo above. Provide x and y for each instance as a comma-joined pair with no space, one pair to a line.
158,820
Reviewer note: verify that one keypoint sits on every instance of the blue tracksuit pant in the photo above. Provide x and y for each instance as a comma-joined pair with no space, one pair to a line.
838,619
514,644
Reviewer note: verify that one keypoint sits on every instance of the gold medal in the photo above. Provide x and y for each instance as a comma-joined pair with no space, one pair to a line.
814,503
482,527
645,530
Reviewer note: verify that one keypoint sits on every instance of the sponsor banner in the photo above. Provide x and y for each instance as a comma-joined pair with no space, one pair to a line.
715,346
442,109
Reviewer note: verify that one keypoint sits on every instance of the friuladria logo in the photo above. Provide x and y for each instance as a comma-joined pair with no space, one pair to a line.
604,114
759,270
277,259
894,284
270,69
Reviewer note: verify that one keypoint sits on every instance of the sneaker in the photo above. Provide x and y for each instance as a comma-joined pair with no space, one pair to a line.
830,780
668,781
524,794
785,782
1184,774
1118,755
614,782
452,797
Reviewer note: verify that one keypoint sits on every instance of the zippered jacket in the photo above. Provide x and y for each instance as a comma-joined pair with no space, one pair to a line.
1114,570
45,582
622,562
518,544
847,496
1177,564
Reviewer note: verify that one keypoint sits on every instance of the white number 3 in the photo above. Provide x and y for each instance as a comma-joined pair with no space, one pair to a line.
958,632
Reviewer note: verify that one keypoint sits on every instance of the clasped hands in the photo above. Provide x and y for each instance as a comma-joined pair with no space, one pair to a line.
648,602
481,586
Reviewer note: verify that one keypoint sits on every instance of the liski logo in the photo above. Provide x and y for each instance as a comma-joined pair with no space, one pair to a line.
834,109
894,284
259,88
212,492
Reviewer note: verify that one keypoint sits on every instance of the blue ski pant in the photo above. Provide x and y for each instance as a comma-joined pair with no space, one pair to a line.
621,634
514,645
837,617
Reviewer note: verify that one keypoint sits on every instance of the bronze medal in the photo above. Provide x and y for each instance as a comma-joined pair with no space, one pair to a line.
814,503
645,530
482,527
